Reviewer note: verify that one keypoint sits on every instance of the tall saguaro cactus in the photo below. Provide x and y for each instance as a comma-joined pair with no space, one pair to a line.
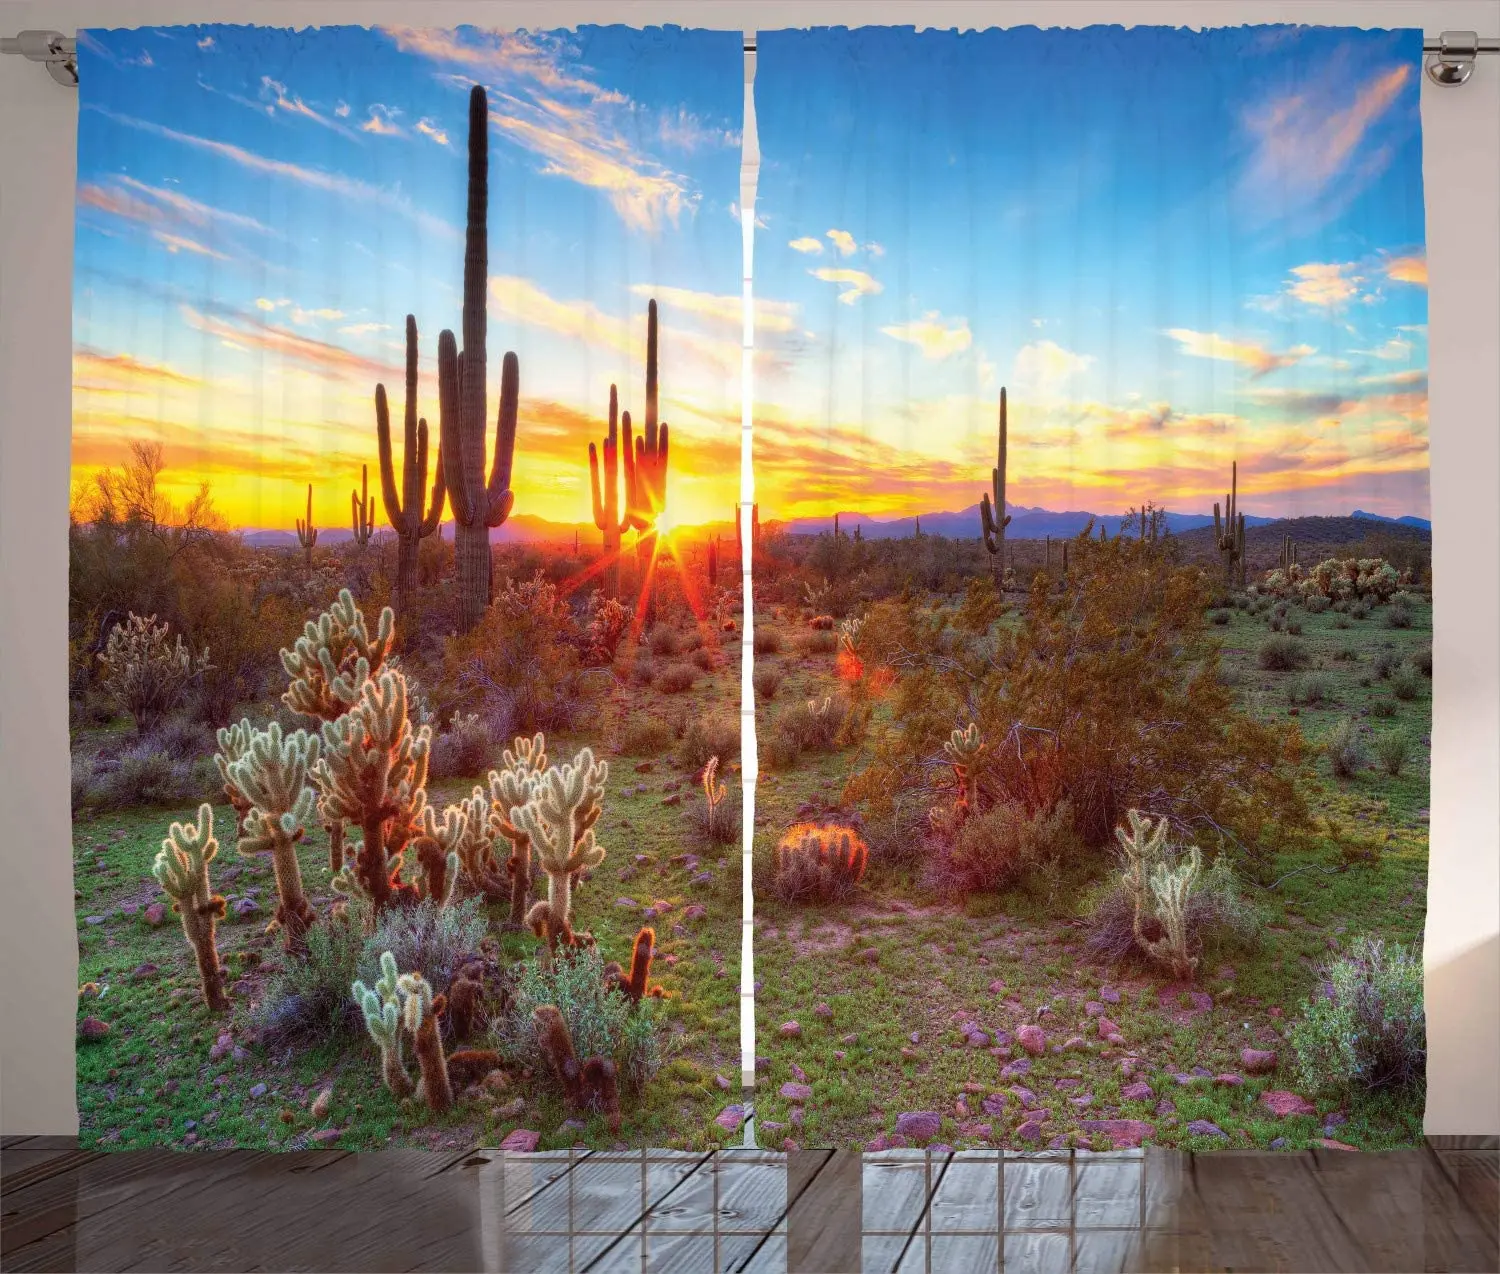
614,501
409,517
478,503
362,509
1229,533
307,533
651,446
992,517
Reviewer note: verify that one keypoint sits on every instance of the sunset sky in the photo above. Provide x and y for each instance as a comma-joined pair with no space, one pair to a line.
258,210
1174,249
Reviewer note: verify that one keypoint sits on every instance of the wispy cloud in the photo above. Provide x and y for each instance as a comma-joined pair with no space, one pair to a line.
364,329
177,222
103,373
807,244
428,129
1310,158
725,311
206,43
843,241
1391,351
684,131
275,95
1044,368
382,121
181,243
853,283
1324,284
938,338
1257,358
247,332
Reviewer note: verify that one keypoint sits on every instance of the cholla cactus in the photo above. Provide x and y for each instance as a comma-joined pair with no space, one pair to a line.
234,742
145,673
420,1010
963,750
181,869
511,788
850,632
383,1020
815,596
273,775
558,822
1160,891
817,710
822,862
634,985
373,772
334,657
458,843
713,793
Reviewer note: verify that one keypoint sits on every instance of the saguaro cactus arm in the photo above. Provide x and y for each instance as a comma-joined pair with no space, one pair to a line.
405,510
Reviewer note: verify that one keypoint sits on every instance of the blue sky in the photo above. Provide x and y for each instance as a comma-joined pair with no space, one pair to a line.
1175,249
259,209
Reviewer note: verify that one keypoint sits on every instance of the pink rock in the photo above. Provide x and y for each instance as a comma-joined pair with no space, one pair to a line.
1023,1095
796,1117
997,987
92,1028
1109,995
798,1073
1093,1008
1280,1102
1074,1043
1038,1116
789,1031
823,1011
1230,1080
1107,1028
789,1146
522,1140
1015,1069
730,1118
156,914
1032,1039
1258,1061
877,1144
838,1055
721,1082
796,1092
1029,1131
919,1125
1137,1092
1328,1143
1204,1128
1116,1039
1124,1134
1166,1106
994,1104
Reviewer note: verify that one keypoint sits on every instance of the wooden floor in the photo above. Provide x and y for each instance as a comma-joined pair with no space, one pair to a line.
812,1212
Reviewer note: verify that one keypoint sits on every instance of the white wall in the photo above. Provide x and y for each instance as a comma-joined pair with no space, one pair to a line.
1462,172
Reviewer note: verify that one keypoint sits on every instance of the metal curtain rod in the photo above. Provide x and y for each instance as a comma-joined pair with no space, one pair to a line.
1450,56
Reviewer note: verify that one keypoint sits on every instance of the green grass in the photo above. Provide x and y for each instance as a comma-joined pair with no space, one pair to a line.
150,1080
937,960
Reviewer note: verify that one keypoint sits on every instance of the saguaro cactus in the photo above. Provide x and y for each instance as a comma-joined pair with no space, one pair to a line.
558,822
381,1007
1229,533
1288,552
477,503
993,518
362,509
409,517
273,775
713,562
307,533
651,445
181,869
613,502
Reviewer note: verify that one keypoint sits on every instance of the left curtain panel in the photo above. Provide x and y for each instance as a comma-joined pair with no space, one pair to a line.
404,658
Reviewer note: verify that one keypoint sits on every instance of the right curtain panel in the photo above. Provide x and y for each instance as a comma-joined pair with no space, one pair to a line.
1092,585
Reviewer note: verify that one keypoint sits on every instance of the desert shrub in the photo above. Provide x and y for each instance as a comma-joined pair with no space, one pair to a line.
1281,654
1241,601
814,725
817,642
308,1001
676,677
663,640
182,739
812,863
704,737
519,667
82,779
767,641
1342,621
1366,1029
1294,627
1359,609
1399,613
147,671
1392,750
1406,682
1003,845
706,659
426,939
1309,691
643,671
1279,610
608,622
146,775
1316,604
465,749
1346,654
602,1022
767,679
1277,623
1422,661
1219,617
1346,749
897,835
1386,662
716,823
1383,708
643,735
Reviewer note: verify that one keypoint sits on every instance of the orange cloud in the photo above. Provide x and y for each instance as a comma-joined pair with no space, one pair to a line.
428,129
1409,269
251,333
770,316
1256,357
102,373
1325,285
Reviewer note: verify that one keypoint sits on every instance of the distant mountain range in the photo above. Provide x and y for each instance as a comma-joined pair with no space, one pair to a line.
1025,524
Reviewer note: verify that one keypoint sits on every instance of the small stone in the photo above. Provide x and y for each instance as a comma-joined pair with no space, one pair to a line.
93,920
155,914
1074,1043
521,1140
1258,1061
144,971
238,1054
1166,1106
1204,1128
1116,1039
1278,1143
246,906
1124,1134
321,1103
730,1118
789,1031
851,1038
915,1037
1023,1094
876,1144
258,1090
796,1092
1137,1092
795,1117
721,1082
191,1139
674,799
788,1146
994,1104
629,904
1229,1080
694,911
644,767
1183,1079
1093,1008
1280,1102
129,908
1015,1069
1082,1100
700,878
1328,1143
1109,995
326,1136
838,1055
823,1011
92,1028
1032,1040
1064,1084
870,955
997,987
919,1126
910,1054
1029,1131
1107,1028
798,1073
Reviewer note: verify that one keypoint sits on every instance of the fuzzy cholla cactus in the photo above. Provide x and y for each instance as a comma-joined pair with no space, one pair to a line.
714,793
373,772
273,776
420,1010
963,750
181,869
448,843
558,822
234,742
1160,891
146,672
334,657
512,787
381,1008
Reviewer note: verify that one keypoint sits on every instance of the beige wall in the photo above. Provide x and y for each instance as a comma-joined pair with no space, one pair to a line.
1462,167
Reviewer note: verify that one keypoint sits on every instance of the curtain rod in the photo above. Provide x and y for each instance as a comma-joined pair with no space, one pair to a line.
1450,58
